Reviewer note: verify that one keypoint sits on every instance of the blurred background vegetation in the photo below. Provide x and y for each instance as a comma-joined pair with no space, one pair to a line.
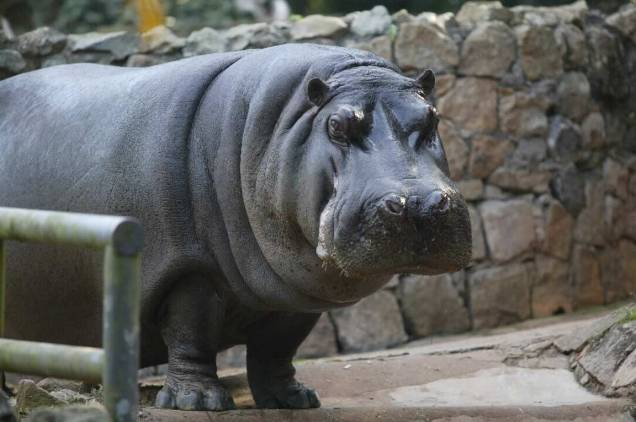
76,16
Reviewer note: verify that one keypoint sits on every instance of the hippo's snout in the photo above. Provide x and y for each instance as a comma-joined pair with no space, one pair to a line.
415,207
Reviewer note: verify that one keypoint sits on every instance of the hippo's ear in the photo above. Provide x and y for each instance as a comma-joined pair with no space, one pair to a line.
317,91
426,81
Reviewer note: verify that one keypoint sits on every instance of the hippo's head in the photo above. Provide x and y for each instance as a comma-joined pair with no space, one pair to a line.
387,204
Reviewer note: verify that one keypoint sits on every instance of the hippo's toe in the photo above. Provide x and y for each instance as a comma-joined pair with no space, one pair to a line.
191,397
292,396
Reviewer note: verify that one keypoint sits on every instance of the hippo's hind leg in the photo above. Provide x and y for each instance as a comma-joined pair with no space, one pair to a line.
271,346
191,325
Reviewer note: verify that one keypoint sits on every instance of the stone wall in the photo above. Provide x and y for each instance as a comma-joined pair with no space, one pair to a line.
538,114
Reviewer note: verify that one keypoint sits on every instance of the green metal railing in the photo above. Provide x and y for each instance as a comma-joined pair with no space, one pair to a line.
117,363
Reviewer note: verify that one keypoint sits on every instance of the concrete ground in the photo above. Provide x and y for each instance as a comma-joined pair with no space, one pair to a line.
514,373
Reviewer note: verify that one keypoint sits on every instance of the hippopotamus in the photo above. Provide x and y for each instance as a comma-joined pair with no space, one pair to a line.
272,185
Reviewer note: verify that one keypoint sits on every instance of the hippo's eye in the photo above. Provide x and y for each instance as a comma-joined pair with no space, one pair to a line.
346,125
337,127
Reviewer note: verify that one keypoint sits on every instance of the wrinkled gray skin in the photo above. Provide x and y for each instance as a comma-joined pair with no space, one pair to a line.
272,185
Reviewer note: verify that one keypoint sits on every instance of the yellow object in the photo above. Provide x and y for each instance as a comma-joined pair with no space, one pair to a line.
150,14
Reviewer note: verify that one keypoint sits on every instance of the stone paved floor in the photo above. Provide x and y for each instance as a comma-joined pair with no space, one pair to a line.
508,374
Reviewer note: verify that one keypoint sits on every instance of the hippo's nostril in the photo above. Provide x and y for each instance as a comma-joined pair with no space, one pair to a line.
437,202
394,205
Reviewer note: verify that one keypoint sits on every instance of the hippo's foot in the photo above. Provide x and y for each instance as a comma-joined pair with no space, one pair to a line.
194,396
288,395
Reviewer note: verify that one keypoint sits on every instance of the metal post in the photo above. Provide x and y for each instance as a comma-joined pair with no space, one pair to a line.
121,334
3,311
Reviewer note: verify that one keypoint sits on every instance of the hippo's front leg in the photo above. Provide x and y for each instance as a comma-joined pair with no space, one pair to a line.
271,346
191,326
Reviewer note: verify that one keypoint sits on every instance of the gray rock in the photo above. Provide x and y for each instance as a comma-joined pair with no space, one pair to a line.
573,95
257,35
53,384
607,353
161,40
370,22
523,114
11,62
373,323
204,41
624,21
41,42
29,396
551,292
402,16
529,153
317,26
626,373
471,104
489,50
568,186
606,71
586,277
539,52
321,341
119,44
472,12
487,154
578,339
565,140
500,218
593,131
500,295
455,148
421,45
432,305
477,232
574,13
572,40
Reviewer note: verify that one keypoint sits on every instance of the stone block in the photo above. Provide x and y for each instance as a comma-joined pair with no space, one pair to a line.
420,45
370,22
589,223
471,104
471,189
551,291
371,324
204,41
489,50
432,305
593,130
473,12
500,295
41,42
118,44
509,227
455,148
586,277
564,140
558,229
321,341
539,52
477,233
487,154
378,45
519,179
523,114
573,95
317,26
